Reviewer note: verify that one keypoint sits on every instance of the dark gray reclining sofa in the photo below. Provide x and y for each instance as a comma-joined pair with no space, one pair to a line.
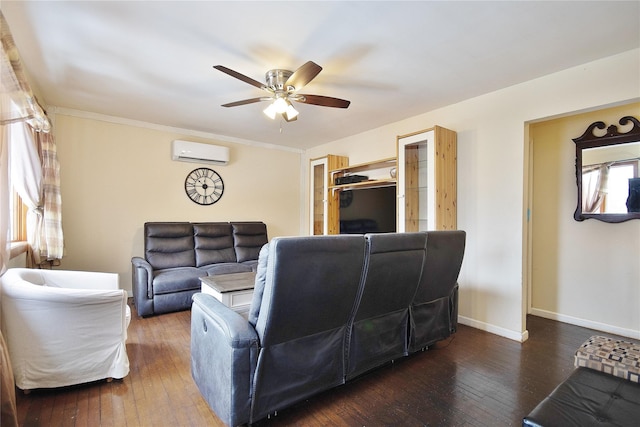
325,310
177,254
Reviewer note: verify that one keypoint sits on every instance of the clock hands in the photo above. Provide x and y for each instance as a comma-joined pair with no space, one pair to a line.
204,185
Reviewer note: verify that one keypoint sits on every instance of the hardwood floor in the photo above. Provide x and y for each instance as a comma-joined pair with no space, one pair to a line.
472,379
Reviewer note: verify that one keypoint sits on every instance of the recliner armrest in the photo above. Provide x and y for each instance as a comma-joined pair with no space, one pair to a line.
224,353
142,284
236,331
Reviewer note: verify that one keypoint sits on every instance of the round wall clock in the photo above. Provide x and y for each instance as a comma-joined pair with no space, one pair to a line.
204,186
346,197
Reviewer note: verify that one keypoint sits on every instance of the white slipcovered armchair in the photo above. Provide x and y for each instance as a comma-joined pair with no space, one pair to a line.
64,327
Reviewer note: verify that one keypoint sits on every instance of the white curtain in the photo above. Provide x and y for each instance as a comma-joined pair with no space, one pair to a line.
594,187
28,159
4,199
26,177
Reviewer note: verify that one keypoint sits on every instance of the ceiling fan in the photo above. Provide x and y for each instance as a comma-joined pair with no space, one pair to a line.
283,86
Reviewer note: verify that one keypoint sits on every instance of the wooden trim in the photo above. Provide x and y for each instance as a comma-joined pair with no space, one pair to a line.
446,178
18,219
333,197
411,189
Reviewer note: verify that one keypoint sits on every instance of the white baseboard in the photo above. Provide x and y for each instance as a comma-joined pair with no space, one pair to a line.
497,330
635,334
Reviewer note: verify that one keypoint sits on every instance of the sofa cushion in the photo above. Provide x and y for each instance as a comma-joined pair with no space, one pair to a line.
225,268
251,264
612,356
177,279
213,243
169,244
248,237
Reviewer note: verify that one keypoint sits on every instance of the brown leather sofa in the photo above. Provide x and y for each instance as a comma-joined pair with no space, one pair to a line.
177,254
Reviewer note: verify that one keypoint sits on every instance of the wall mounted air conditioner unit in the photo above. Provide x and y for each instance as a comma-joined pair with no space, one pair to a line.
195,152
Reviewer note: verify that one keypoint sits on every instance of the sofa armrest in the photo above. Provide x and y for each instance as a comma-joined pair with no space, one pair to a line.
74,279
142,284
224,353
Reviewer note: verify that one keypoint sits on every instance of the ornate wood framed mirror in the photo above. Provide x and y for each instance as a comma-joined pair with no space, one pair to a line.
607,172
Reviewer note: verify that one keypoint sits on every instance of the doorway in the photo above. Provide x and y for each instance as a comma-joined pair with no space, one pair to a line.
583,273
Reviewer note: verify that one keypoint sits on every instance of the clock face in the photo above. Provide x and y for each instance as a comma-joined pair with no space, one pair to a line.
346,197
204,186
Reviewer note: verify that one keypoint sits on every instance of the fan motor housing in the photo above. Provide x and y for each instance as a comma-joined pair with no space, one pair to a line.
277,78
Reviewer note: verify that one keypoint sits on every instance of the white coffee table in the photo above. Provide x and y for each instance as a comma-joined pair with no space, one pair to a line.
233,290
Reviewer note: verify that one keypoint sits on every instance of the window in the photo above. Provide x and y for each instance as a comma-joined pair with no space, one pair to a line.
615,200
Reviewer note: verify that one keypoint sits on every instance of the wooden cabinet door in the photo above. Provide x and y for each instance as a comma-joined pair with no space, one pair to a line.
324,205
427,180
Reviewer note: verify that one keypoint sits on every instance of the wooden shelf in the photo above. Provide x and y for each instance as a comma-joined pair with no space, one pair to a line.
387,163
375,183
362,167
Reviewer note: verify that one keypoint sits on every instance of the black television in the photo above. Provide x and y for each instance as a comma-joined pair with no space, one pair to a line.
368,210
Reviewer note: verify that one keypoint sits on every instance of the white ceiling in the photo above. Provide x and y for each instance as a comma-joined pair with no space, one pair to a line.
152,61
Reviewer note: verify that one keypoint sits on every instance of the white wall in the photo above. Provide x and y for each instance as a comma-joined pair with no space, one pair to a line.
493,175
586,273
115,177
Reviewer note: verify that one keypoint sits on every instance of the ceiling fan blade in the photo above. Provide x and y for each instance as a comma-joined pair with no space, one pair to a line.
324,101
245,102
239,76
303,75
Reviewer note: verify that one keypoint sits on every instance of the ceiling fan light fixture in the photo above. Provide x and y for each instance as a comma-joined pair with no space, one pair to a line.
270,111
291,112
281,105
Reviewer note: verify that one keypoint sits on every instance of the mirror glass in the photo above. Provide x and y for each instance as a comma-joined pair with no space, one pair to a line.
607,173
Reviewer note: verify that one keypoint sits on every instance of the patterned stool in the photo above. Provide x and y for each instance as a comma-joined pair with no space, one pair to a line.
615,357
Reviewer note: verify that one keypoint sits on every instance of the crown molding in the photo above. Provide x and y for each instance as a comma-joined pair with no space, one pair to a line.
146,125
